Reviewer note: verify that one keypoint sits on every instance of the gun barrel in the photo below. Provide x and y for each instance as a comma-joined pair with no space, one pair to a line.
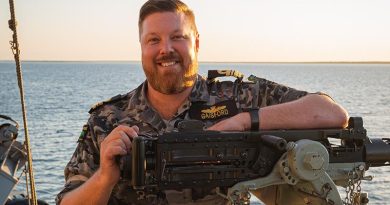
377,152
274,142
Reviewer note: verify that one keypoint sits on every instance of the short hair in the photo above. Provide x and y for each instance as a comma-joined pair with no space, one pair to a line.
155,6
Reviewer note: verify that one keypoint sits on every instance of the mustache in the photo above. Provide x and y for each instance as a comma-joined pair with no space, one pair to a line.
169,57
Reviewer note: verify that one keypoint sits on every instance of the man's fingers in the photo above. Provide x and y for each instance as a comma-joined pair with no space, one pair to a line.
113,151
136,128
125,139
131,131
118,142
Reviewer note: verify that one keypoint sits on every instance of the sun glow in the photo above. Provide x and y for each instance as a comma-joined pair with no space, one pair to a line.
255,31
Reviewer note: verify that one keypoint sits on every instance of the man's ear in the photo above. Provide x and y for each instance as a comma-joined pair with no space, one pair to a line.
197,42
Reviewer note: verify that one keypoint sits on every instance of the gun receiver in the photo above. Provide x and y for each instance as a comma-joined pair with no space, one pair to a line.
196,158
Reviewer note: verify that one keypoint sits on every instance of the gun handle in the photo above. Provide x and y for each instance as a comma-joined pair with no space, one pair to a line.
138,167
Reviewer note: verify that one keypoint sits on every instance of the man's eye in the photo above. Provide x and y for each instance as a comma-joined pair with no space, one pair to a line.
178,37
153,40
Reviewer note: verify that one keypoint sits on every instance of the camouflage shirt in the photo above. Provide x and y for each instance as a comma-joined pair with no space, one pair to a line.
133,108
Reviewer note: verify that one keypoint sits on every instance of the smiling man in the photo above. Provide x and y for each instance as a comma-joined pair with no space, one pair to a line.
173,91
169,46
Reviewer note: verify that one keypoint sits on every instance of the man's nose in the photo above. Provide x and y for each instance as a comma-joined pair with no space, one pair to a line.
166,47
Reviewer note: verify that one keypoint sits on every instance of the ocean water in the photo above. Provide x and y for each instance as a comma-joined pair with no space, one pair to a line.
59,95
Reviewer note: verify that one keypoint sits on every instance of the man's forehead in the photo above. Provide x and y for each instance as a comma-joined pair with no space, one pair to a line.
165,20
164,17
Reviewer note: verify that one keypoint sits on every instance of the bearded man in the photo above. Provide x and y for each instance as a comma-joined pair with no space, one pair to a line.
174,91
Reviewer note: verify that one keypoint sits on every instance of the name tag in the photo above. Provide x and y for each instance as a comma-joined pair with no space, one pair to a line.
202,111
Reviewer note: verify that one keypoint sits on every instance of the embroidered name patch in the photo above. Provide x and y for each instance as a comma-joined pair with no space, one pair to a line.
224,109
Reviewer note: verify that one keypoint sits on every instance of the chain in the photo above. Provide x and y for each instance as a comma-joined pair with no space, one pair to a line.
357,194
349,188
359,188
353,196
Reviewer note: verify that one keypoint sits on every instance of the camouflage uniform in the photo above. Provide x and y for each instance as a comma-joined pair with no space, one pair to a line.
134,109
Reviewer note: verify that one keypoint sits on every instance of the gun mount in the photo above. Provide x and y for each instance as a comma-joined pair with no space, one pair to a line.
12,157
247,161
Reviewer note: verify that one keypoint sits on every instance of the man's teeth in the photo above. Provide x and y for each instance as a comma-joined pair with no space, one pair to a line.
168,64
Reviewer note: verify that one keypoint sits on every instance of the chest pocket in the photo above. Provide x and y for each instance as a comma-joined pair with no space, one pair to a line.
223,109
220,105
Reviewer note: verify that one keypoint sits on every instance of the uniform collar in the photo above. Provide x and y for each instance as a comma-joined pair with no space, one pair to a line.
145,112
199,92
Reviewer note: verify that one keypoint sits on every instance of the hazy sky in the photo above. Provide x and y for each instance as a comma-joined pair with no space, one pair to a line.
230,30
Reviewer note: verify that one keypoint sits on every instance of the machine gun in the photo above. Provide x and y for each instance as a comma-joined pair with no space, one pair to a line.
307,163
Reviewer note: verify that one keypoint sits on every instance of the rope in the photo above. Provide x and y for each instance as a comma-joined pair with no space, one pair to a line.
26,177
15,50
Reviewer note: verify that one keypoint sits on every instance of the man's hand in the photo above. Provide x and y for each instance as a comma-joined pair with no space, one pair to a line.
98,188
117,143
239,122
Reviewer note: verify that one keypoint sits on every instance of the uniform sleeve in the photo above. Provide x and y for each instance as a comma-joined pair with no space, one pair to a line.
82,165
271,93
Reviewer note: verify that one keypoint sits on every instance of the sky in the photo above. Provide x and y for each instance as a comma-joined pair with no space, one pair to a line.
230,30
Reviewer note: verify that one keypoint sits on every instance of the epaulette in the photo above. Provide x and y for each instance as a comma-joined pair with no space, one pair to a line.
111,100
212,74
